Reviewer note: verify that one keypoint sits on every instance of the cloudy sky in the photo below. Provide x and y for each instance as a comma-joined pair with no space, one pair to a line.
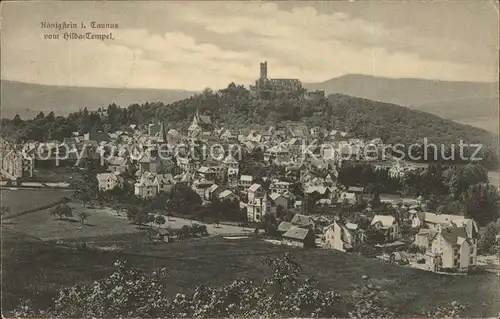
198,44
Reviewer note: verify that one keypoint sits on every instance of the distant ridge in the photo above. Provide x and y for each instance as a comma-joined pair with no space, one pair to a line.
27,99
473,103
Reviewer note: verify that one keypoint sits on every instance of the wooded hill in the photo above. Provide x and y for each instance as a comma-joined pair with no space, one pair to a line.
235,106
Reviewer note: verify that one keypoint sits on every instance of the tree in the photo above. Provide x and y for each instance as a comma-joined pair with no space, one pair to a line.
482,203
183,199
83,216
374,235
159,220
140,217
461,178
489,238
284,293
62,210
269,224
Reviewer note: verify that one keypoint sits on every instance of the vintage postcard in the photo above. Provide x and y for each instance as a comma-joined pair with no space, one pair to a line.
250,159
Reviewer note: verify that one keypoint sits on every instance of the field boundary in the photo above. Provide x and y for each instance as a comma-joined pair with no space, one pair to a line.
34,210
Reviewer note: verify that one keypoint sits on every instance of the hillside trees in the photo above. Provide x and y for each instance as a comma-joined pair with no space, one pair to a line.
62,210
234,105
482,203
183,199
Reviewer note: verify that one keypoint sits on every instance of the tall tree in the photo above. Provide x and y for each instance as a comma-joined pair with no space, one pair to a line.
482,203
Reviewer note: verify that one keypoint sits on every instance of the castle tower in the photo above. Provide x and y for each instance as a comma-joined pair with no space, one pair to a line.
263,70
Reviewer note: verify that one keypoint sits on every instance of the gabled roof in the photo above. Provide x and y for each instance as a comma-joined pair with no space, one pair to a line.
285,226
443,219
302,220
385,220
355,189
296,233
230,159
204,170
275,196
254,187
318,189
225,194
212,188
104,176
328,178
453,235
351,226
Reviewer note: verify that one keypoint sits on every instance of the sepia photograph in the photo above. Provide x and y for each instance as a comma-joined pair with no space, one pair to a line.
250,159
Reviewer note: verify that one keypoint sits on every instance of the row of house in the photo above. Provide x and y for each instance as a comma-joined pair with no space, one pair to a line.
450,241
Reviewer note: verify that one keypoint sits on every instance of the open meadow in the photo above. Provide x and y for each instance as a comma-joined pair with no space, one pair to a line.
19,200
38,269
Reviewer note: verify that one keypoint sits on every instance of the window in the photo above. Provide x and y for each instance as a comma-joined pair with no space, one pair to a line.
471,260
472,250
455,262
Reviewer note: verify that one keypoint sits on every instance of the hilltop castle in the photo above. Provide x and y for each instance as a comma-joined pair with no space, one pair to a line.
266,88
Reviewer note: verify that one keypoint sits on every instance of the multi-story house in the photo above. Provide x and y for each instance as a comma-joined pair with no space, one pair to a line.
108,181
343,236
245,182
278,200
450,247
280,187
16,165
257,208
119,165
388,225
146,186
201,186
187,164
206,173
165,182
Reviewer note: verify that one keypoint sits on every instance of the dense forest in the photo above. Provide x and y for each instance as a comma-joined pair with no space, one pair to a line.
235,106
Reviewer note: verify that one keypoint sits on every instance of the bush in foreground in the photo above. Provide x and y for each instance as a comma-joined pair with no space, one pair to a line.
130,293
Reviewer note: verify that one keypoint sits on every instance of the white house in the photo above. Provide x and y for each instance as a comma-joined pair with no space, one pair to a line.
211,191
201,186
118,165
278,200
146,186
257,208
343,236
433,221
108,181
165,182
255,191
245,181
451,248
388,224
280,187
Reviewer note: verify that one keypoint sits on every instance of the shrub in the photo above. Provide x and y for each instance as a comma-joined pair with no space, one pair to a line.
132,293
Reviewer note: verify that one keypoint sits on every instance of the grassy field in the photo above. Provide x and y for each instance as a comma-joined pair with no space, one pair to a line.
44,226
24,199
55,174
37,269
